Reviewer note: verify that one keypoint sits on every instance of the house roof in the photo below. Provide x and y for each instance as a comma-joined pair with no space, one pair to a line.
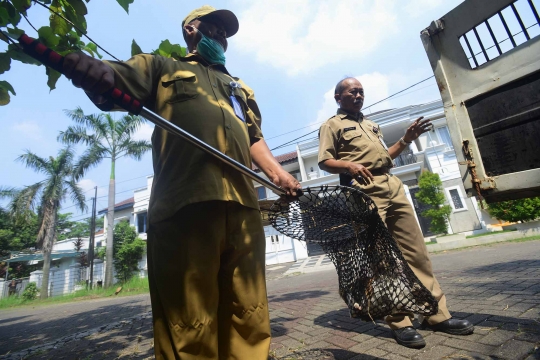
59,254
377,112
120,206
283,159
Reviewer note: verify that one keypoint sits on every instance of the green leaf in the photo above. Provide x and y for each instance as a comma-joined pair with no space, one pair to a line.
58,25
53,77
76,18
4,97
4,16
5,62
15,31
4,85
79,6
125,4
94,49
48,37
135,48
21,5
170,50
17,54
12,17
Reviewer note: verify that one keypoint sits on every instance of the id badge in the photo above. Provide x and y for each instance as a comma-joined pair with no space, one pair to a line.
237,108
383,144
235,104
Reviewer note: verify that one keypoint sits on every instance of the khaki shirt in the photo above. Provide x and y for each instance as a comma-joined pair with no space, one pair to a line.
194,96
343,137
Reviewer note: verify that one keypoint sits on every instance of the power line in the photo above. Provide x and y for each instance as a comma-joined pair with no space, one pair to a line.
378,102
76,27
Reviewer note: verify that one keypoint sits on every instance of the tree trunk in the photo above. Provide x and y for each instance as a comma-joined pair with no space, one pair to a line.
49,229
110,230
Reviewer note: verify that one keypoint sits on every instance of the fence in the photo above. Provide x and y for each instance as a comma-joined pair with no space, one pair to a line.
6,288
405,158
62,282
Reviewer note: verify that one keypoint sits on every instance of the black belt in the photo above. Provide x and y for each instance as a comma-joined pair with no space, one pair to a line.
345,179
380,171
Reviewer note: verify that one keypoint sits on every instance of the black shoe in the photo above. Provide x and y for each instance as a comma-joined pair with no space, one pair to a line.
452,326
409,337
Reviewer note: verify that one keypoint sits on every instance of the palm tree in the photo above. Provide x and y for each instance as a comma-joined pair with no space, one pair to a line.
61,176
108,139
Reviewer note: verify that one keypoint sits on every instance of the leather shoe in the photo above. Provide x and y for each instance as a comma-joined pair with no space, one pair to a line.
452,326
409,337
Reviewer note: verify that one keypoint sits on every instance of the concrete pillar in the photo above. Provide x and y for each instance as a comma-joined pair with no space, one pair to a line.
36,277
301,163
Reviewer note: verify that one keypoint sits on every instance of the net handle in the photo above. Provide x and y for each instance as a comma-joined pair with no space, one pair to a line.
55,61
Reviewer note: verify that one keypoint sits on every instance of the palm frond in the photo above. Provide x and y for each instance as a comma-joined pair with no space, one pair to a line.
35,162
64,161
131,123
94,122
135,149
90,158
77,195
75,135
8,192
25,200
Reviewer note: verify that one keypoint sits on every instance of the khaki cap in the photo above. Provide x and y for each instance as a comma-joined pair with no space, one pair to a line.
229,20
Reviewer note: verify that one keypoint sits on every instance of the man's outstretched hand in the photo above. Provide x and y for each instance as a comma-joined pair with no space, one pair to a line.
90,74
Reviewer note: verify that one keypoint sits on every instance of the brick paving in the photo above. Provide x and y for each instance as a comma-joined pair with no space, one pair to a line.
495,287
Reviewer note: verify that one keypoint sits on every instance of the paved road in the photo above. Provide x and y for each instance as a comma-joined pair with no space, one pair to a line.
496,287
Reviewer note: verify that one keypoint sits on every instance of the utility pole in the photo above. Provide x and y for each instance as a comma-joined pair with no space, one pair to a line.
92,237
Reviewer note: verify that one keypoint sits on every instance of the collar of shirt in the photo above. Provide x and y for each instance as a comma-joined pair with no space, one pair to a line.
344,114
197,58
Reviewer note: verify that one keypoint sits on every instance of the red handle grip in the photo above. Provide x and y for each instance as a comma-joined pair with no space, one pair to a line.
55,61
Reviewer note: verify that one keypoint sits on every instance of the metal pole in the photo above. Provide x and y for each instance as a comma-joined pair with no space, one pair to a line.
92,238
170,127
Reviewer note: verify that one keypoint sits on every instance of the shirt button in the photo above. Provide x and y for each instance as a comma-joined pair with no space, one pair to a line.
214,85
228,127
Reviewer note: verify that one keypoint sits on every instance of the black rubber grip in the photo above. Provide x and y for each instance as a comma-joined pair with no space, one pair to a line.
52,59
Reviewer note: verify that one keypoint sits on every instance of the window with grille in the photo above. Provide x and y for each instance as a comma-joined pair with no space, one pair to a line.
508,28
141,222
444,136
455,198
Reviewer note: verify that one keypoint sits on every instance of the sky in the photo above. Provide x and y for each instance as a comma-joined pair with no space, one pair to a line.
291,52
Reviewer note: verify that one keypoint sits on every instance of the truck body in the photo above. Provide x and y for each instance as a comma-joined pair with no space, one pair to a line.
485,55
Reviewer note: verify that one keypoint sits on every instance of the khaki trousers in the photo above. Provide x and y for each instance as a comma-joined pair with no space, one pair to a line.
397,213
207,283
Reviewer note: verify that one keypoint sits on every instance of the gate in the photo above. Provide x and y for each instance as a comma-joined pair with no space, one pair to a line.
279,249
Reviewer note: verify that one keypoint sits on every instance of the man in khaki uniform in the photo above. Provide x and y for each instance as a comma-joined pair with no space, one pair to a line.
352,144
206,244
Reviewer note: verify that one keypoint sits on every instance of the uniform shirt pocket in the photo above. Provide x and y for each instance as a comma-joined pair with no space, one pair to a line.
179,86
350,135
352,141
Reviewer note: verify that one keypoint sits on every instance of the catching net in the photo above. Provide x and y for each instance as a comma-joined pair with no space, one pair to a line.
374,278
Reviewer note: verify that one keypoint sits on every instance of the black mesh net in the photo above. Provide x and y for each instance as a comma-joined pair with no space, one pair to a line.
374,278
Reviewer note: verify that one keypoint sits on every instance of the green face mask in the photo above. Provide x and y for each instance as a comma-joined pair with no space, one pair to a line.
211,50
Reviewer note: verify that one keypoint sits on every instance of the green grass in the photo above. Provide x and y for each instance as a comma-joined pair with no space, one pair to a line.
491,233
134,286
525,239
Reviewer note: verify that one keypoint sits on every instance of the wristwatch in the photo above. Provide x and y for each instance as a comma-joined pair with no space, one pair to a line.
403,142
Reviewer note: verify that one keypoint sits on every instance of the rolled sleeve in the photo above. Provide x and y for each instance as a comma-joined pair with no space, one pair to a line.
137,77
327,143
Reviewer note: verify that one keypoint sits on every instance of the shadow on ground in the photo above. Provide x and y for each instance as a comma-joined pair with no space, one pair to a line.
296,296
16,335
